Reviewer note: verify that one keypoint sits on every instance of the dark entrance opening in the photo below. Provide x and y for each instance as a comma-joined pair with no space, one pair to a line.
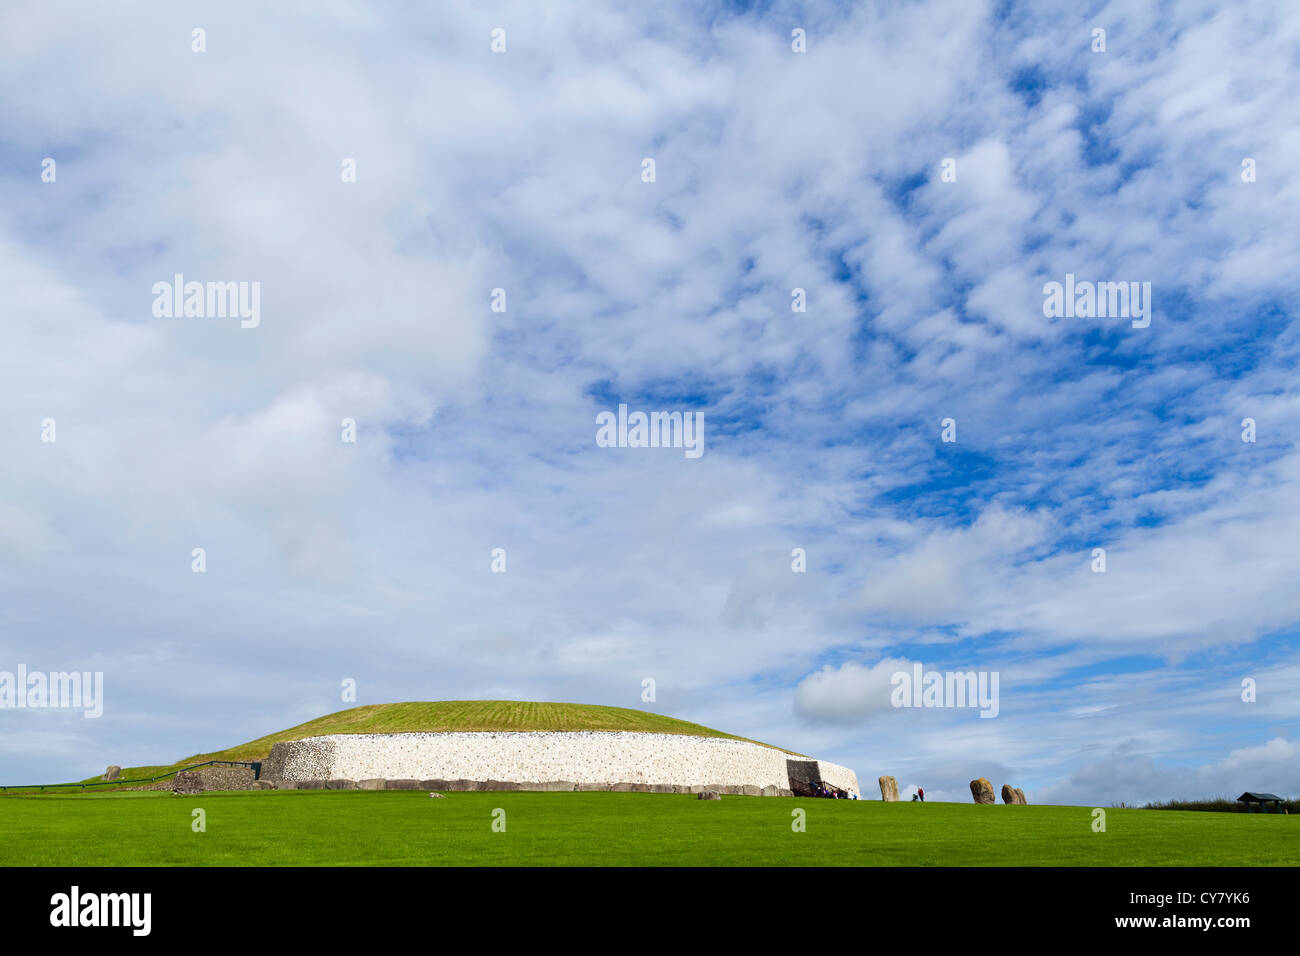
805,779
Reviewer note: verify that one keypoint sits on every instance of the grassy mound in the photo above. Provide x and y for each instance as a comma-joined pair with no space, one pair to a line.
452,715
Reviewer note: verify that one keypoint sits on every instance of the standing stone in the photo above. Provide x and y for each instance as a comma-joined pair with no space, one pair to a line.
982,791
1020,797
708,795
113,772
889,789
1008,794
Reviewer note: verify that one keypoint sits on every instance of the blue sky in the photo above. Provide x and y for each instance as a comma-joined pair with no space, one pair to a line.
775,170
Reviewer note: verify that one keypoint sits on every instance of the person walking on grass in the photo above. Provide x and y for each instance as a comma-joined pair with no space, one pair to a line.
920,792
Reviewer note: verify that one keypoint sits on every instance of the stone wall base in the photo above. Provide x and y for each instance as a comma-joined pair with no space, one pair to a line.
550,786
208,778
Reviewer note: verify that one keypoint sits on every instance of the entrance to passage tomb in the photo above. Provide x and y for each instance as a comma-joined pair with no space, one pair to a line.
805,777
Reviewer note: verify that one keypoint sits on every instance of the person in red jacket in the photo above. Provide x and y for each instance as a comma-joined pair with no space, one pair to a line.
921,793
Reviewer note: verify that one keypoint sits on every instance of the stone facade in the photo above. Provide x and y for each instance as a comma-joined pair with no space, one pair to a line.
570,760
207,778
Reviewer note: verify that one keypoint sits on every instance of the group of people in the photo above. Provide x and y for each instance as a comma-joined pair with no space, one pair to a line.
833,793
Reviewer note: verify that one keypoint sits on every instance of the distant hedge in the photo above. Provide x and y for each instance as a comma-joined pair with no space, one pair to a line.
1219,804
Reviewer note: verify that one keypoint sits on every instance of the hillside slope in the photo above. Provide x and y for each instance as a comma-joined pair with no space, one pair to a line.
454,715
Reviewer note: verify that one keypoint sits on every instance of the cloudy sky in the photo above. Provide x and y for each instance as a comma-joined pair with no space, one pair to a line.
775,170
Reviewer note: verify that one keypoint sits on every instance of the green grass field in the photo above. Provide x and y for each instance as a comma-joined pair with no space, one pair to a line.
407,828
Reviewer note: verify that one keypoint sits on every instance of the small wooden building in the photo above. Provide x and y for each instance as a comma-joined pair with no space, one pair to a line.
1262,800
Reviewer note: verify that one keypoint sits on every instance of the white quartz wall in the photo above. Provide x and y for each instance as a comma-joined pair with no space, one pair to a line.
837,776
590,757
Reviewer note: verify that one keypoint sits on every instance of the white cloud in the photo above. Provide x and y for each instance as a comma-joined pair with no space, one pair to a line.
849,693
